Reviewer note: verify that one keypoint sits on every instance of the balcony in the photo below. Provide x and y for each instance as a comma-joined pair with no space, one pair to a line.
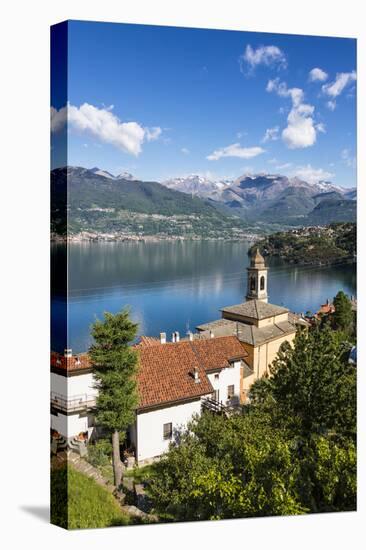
231,406
74,403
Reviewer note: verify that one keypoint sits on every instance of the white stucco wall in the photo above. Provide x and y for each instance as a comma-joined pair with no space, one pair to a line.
70,425
68,387
150,441
59,384
227,377
273,320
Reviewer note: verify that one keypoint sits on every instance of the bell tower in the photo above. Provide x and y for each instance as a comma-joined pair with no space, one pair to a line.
257,278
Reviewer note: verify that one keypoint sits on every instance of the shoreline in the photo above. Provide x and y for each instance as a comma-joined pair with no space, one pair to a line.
103,238
320,263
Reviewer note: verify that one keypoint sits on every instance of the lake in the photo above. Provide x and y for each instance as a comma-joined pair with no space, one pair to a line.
172,285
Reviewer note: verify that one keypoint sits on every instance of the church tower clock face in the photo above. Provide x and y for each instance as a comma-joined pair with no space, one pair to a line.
257,278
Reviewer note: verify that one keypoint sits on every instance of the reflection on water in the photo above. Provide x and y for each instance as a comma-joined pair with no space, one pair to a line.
177,285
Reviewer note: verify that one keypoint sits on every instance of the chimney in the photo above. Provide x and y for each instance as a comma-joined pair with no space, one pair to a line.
177,336
173,336
163,338
195,375
190,336
68,352
212,334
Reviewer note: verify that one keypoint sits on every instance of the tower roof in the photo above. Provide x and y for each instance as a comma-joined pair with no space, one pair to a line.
256,259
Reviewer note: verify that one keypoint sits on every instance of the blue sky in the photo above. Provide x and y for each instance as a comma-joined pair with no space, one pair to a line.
162,102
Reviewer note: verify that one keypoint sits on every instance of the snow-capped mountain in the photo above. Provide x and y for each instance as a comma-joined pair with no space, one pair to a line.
195,184
251,188
104,173
272,197
122,176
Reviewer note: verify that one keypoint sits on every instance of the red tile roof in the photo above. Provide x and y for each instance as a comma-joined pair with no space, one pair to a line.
76,362
147,341
326,309
166,370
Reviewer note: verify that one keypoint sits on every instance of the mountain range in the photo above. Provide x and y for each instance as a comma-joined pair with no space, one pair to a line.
99,201
266,197
93,201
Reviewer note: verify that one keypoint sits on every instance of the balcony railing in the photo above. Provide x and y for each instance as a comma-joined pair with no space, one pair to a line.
74,403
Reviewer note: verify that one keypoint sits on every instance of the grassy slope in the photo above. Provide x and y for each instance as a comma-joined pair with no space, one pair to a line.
88,504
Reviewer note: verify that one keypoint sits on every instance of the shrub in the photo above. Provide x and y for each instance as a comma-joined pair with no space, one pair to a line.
100,453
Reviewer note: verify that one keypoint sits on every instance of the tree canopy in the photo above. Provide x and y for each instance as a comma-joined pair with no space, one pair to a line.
343,318
292,450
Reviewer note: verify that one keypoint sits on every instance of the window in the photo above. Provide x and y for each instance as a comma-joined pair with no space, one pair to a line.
252,283
230,391
217,376
262,282
167,430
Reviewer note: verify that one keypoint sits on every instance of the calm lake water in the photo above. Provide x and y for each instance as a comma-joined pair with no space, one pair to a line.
175,285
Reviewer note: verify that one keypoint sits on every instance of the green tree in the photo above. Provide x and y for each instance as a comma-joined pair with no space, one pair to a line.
226,468
312,387
311,395
343,318
115,365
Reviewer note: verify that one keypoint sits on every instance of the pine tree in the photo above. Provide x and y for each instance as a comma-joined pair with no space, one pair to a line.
114,365
343,314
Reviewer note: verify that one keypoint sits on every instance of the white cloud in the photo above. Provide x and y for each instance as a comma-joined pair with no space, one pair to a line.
317,74
312,175
347,158
284,166
263,55
58,118
104,125
235,150
153,133
320,127
301,130
331,104
334,89
185,151
271,134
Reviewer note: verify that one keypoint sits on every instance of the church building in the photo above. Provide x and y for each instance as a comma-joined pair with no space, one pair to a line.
260,326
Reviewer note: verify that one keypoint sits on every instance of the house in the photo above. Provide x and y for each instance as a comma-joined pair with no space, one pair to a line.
73,396
325,309
260,326
175,381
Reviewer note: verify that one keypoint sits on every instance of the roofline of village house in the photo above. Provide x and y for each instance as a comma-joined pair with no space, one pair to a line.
165,404
70,372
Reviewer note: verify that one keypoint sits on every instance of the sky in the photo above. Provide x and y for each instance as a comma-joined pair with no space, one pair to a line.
163,102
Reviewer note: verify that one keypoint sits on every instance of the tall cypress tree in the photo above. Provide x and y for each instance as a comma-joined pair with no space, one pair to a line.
114,365
343,314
